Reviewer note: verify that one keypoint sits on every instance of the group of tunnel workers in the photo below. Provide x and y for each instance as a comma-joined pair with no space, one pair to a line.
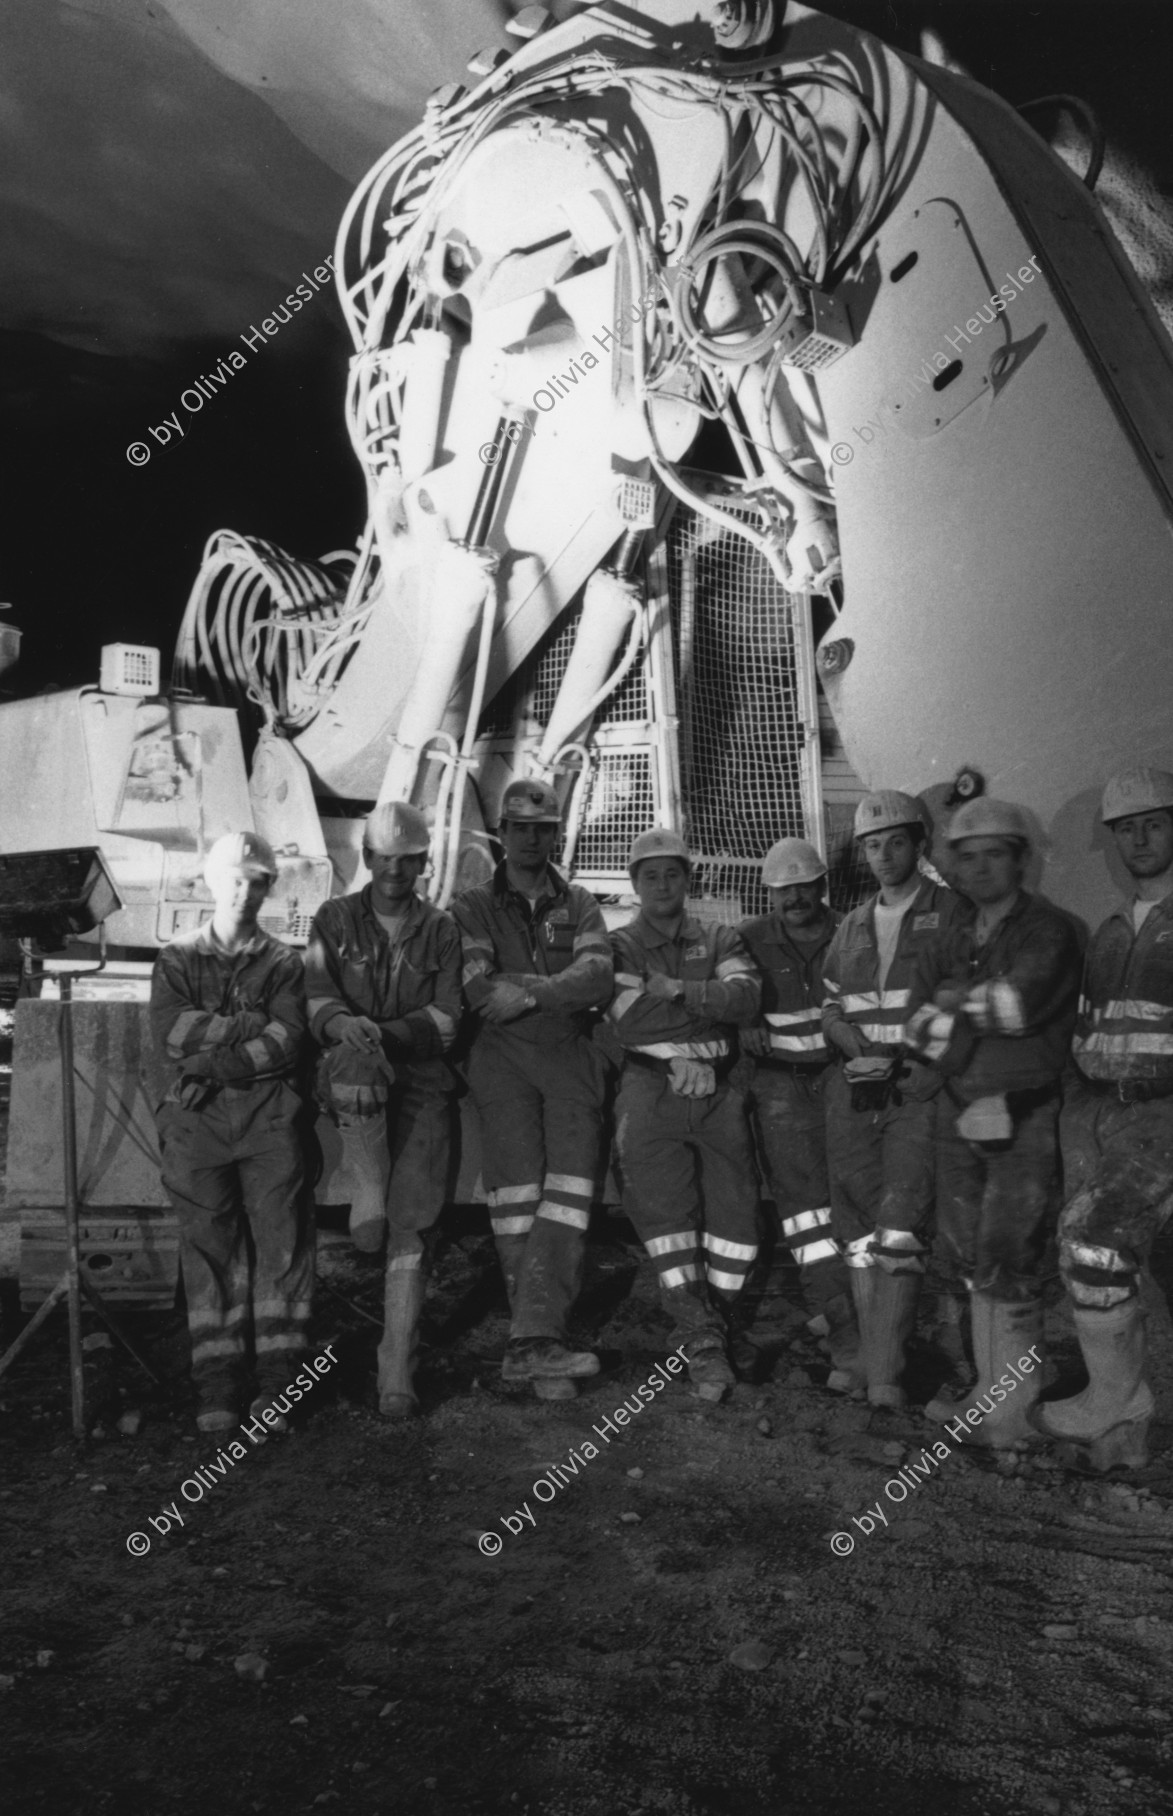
922,1075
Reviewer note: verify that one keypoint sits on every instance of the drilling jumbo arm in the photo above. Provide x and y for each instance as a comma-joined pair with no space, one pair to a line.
941,396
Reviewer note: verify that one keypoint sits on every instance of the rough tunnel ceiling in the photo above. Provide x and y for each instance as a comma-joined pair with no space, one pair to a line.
163,179
166,165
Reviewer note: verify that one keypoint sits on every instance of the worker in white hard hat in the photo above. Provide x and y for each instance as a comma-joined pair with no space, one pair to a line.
880,1111
536,964
383,988
228,1018
1117,1134
682,987
993,1006
789,1058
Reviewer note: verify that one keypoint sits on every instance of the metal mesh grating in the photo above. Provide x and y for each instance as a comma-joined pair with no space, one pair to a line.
741,736
525,702
619,805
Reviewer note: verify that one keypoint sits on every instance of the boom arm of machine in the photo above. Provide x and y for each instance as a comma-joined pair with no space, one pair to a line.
775,230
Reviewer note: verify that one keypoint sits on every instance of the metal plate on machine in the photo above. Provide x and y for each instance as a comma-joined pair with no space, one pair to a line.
130,1256
934,285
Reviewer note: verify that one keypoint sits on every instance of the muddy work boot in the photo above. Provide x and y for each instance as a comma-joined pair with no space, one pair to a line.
1005,1331
546,1358
1106,1426
886,1323
709,1369
367,1163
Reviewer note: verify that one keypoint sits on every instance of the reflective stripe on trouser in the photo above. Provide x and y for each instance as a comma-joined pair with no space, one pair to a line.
231,1168
881,1164
540,1113
789,1120
1118,1173
993,1203
688,1176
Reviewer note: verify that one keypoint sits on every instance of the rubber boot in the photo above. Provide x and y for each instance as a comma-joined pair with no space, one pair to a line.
1004,1330
848,1374
885,1327
1107,1424
367,1162
403,1298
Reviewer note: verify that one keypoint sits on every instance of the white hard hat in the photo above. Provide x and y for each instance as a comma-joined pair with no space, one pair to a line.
988,819
658,843
531,800
792,861
245,852
886,808
1140,790
397,830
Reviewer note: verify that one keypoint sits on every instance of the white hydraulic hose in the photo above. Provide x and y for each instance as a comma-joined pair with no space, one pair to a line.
610,604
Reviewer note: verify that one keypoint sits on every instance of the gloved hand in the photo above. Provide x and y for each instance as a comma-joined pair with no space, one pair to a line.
986,1119
692,1078
506,1002
870,1068
664,989
755,1041
358,1032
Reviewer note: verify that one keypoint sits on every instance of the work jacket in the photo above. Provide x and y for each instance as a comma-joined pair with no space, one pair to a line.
722,989
792,986
410,987
230,1020
1013,1029
556,948
851,969
1125,1026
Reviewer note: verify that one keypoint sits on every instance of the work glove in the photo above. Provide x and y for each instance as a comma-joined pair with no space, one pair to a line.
755,1041
870,1068
692,1078
986,1119
506,1002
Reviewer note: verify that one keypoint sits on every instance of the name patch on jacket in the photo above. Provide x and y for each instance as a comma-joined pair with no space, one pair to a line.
926,923
1163,938
700,951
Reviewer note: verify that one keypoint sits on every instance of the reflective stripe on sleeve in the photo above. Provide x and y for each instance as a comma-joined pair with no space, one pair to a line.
512,1226
680,1276
729,1283
733,967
